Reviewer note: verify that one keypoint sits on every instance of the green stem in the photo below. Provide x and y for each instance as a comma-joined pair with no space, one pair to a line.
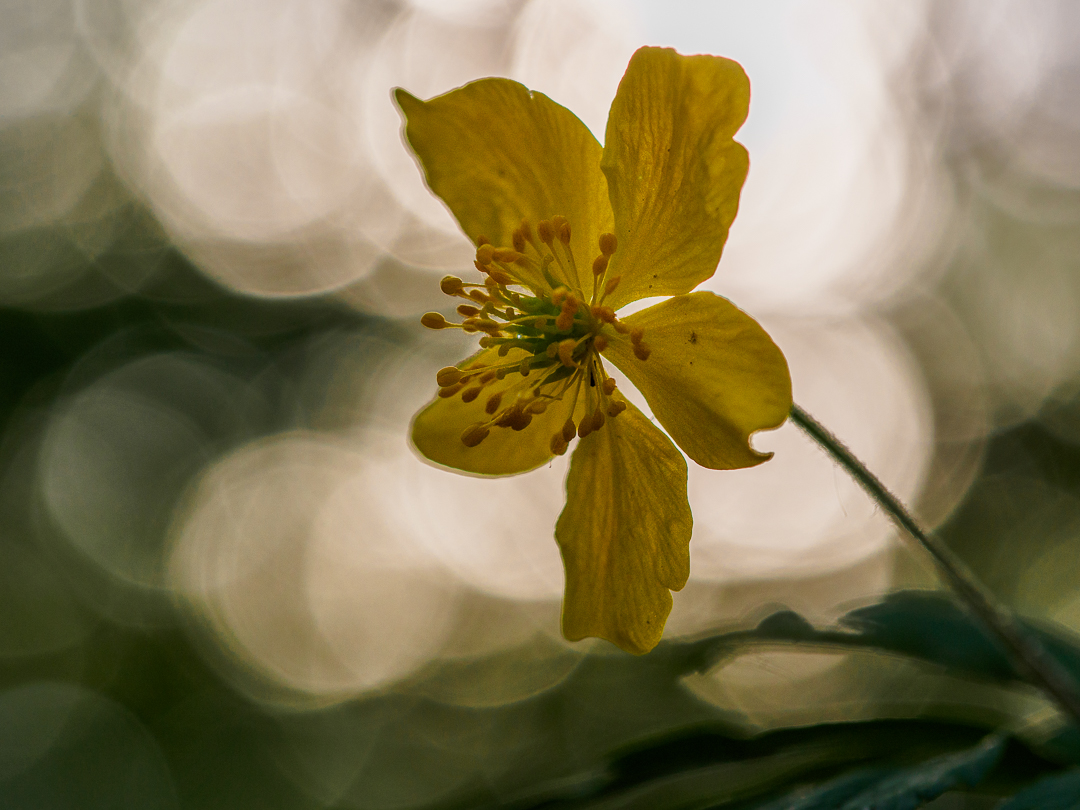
1030,658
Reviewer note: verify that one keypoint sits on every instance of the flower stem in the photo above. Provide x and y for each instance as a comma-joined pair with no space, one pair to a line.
1029,656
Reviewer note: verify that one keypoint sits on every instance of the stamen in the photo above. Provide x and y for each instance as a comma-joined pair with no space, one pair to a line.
636,334
474,434
566,352
609,386
608,243
469,394
467,311
569,430
612,283
600,343
641,351
451,285
558,444
615,408
546,231
433,320
448,375
493,402
599,265
446,393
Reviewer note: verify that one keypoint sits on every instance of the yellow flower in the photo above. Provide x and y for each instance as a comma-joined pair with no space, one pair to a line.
567,232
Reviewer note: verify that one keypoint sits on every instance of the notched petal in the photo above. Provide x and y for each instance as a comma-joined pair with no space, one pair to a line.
713,377
624,533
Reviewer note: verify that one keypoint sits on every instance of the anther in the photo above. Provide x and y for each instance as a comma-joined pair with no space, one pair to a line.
474,434
612,283
615,408
448,376
585,428
597,419
518,241
600,343
641,351
467,311
546,231
469,394
537,406
569,430
507,256
446,393
451,285
493,402
609,386
636,334
564,232
526,230
558,295
558,444
499,276
433,320
482,240
485,253
608,243
566,352
599,265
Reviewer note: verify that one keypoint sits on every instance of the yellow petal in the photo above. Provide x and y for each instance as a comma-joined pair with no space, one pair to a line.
437,429
713,376
624,533
673,170
496,154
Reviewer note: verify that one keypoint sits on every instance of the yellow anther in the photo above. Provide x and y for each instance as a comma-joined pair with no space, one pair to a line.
597,419
585,428
620,327
518,241
606,314
482,240
523,369
488,376
608,243
525,230
609,386
636,334
546,231
469,394
599,265
558,295
467,311
552,350
566,352
451,285
612,283
641,351
537,406
433,320
448,376
566,316
499,277
569,430
479,296
600,343
521,420
507,256
493,402
449,391
615,408
474,434
485,253
558,444
487,341
564,232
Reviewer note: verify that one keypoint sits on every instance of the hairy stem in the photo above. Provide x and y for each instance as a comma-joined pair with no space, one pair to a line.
1030,658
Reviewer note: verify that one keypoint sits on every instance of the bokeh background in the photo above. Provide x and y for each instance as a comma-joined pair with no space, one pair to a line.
227,581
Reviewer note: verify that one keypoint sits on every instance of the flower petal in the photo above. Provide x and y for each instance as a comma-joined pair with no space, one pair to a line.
437,429
713,377
674,172
497,153
624,533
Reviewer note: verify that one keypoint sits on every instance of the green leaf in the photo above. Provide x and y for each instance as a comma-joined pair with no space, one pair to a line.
1060,792
899,788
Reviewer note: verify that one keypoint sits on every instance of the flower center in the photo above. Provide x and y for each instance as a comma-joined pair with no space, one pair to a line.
547,335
